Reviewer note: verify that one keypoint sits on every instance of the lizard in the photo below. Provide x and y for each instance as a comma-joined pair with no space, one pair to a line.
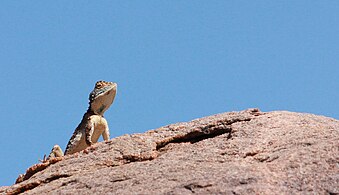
91,127
93,123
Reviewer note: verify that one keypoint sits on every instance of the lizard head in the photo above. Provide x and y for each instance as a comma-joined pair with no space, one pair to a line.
102,96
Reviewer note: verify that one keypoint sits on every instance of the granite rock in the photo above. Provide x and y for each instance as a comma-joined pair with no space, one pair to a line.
247,152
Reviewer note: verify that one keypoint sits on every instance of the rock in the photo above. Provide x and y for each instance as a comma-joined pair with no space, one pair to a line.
248,152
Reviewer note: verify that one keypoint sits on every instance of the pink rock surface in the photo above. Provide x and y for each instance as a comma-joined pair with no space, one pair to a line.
247,152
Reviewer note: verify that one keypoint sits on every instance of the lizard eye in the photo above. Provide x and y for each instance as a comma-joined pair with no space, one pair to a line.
98,85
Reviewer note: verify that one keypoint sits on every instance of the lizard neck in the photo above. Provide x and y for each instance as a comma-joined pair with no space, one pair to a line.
90,111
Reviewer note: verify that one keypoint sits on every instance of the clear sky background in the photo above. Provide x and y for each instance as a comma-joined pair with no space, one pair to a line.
173,61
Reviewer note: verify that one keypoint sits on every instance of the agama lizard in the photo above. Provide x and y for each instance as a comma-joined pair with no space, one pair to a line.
91,127
93,123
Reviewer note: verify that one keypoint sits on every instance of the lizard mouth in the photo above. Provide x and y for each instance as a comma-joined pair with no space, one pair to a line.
102,91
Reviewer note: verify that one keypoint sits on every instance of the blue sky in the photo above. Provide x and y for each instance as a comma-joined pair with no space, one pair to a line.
173,61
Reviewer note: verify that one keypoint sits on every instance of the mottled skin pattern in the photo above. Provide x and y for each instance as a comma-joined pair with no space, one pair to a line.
93,123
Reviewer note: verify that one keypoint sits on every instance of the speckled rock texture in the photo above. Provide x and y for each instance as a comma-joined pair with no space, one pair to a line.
247,152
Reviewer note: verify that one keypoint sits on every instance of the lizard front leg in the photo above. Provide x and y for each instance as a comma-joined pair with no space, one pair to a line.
105,133
89,129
